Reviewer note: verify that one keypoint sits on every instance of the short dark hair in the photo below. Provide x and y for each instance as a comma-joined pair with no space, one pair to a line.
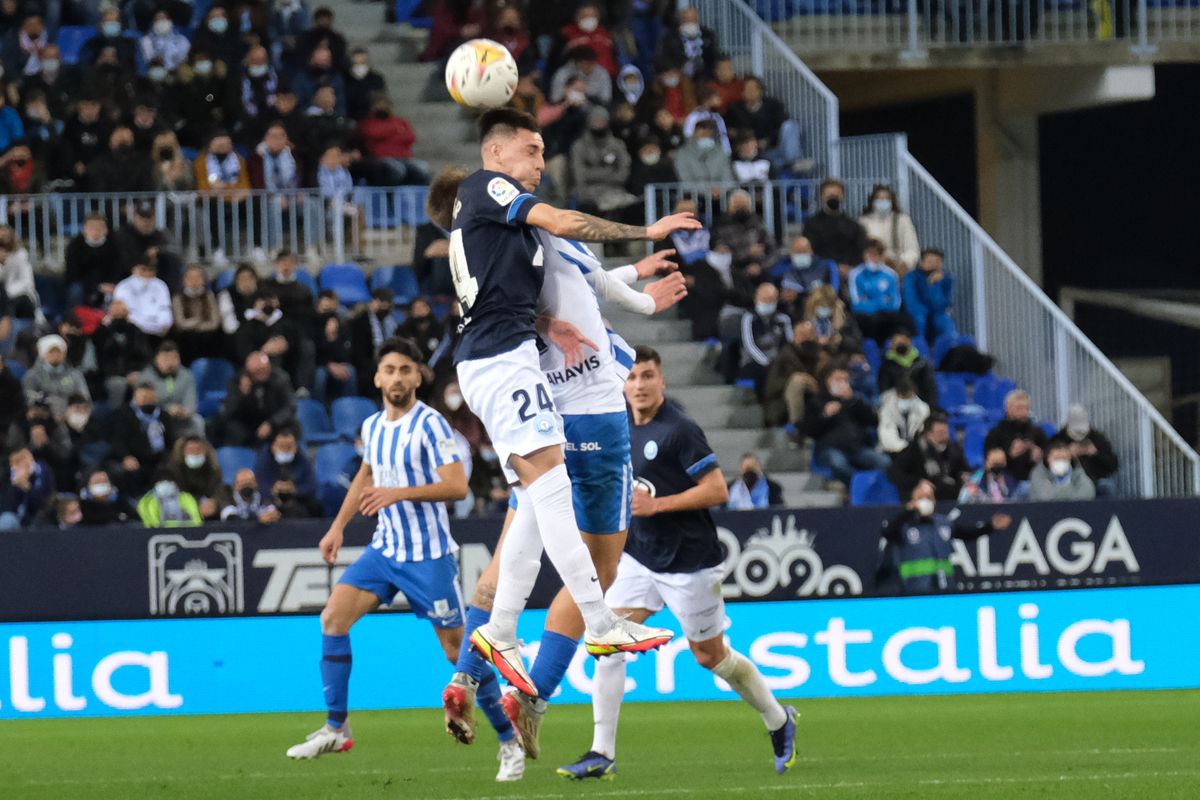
933,251
706,125
405,347
168,346
875,246
505,122
935,418
825,184
96,216
285,430
439,200
645,353
145,385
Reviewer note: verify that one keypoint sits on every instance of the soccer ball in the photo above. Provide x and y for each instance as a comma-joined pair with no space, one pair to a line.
481,74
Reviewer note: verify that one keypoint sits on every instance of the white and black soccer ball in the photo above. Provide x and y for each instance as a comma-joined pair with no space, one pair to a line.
481,74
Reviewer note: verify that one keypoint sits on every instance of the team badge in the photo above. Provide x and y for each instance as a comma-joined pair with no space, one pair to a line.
544,423
914,535
502,191
650,451
448,449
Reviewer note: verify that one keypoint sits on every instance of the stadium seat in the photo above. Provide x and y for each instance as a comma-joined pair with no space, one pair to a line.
224,279
401,280
232,459
922,347
871,351
52,293
973,440
945,344
1050,428
952,392
305,279
348,281
212,375
15,368
329,461
71,39
990,392
872,489
349,413
315,426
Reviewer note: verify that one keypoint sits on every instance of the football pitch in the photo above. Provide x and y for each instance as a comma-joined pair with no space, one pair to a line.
1079,745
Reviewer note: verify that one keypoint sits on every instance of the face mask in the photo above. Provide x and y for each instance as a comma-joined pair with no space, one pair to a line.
750,478
824,312
203,67
802,260
454,401
1060,467
111,28
995,470
924,507
764,309
833,204
162,27
218,25
741,215
670,81
575,96
194,292
157,74
905,404
901,349
194,461
598,133
589,24
360,71
281,278
257,70
247,493
148,408
285,497
95,242
50,65
706,143
839,388
285,458
690,30
650,159
78,421
874,266
881,205
100,490
73,518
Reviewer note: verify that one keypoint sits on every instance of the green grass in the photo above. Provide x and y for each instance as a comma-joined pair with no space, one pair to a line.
1085,745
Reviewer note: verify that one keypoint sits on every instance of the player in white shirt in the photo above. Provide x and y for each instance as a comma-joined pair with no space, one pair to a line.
411,468
586,373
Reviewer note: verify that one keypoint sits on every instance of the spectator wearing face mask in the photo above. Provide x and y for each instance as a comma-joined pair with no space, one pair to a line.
218,38
122,351
928,294
282,459
1091,449
87,437
587,31
292,504
335,376
833,323
833,234
752,488
763,332
363,84
267,328
903,361
141,241
256,90
205,95
422,327
101,502
747,237
295,298
163,42
600,166
791,377
933,457
1022,440
21,48
920,542
108,35
370,327
690,46
47,439
175,387
245,502
883,220
902,416
220,169
51,378
193,467
651,165
702,161
122,169
749,164
289,20
801,273
63,512
838,422
875,297
389,139
20,174
167,506
1059,477
709,109
91,259
992,483
323,34
141,437
26,487
148,300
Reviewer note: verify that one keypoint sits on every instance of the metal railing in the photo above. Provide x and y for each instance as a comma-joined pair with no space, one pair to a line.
913,27
757,50
373,223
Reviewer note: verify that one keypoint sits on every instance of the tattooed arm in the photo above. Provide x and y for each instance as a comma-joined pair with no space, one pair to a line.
586,228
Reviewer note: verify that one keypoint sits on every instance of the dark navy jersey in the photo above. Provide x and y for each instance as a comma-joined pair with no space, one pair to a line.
670,456
496,262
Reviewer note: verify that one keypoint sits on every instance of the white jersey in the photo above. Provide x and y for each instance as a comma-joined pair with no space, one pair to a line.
575,281
408,452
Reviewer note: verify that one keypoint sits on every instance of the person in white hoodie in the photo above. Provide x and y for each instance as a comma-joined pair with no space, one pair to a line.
16,273
884,220
901,415
148,300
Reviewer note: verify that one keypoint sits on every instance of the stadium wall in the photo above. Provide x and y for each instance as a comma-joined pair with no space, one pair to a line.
1122,638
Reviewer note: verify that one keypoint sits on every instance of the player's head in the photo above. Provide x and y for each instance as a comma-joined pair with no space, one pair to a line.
646,385
398,373
512,143
439,201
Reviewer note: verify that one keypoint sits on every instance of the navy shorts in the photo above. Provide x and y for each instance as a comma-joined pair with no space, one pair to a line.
431,586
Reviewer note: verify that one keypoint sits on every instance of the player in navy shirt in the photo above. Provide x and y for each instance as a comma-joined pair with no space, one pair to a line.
673,558
497,266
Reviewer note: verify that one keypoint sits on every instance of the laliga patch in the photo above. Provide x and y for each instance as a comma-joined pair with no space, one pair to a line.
502,191
650,451
448,450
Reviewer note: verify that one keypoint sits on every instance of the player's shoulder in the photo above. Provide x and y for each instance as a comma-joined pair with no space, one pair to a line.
369,424
676,418
488,184
429,420
576,253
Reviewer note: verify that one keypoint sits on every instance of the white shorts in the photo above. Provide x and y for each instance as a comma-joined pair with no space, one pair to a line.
693,597
510,396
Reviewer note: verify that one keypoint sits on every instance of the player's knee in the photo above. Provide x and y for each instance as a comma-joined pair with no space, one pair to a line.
708,655
334,623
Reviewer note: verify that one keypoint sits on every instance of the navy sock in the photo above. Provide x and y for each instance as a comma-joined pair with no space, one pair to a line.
487,697
553,657
335,676
469,661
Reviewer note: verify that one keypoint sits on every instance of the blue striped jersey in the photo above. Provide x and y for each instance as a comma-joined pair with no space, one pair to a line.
408,452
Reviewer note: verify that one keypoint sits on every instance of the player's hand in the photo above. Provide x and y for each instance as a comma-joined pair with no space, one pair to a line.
659,263
570,340
1001,521
644,504
676,222
667,291
374,499
330,544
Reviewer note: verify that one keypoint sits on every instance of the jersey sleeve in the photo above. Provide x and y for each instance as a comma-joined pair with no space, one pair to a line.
504,201
691,448
440,443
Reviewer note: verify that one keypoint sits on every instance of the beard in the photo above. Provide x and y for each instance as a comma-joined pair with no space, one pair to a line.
398,397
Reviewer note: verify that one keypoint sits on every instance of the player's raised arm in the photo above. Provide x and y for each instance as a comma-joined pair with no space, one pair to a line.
331,542
586,228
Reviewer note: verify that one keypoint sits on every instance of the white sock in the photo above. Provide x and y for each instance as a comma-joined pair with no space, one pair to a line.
551,501
520,561
740,673
608,689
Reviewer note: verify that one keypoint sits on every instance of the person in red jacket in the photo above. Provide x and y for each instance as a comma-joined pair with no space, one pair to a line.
389,140
588,31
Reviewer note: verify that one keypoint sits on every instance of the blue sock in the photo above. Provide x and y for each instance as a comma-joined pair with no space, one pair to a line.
553,657
335,676
468,660
487,697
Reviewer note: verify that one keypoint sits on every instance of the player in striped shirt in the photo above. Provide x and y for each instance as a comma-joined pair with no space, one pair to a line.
411,468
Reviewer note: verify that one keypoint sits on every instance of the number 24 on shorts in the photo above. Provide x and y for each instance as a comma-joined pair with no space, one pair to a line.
543,400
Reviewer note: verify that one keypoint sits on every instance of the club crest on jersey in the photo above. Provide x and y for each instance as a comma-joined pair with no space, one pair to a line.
502,191
544,423
447,449
650,451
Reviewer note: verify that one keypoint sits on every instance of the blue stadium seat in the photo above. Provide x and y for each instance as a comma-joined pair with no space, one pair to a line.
15,368
329,461
990,392
945,343
1050,428
348,281
872,489
315,425
224,279
922,347
71,39
305,278
973,440
232,459
349,413
952,392
871,351
212,374
208,405
52,293
401,280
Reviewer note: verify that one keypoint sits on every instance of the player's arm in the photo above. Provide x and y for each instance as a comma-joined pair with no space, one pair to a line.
658,296
331,542
450,488
586,228
710,490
